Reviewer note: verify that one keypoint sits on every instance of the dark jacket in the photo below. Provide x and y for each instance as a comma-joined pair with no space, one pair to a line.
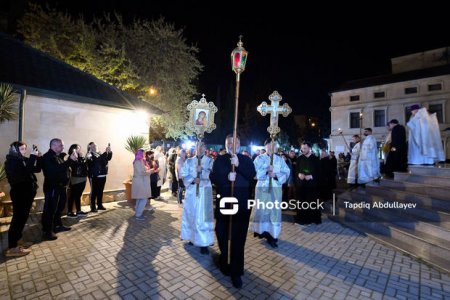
98,164
56,170
307,166
79,167
244,175
21,169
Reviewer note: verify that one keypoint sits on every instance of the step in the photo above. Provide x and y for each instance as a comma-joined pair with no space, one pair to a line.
421,212
411,249
417,188
397,217
426,249
432,171
438,181
424,200
430,231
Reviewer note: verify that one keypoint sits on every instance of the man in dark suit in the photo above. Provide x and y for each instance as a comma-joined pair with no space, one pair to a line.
56,178
222,176
397,157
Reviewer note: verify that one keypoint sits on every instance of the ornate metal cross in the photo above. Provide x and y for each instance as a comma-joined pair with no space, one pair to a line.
274,109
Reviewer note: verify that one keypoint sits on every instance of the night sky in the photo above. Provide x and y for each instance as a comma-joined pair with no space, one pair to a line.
303,52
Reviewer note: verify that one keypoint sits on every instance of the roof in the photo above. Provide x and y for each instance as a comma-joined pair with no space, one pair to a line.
41,74
392,78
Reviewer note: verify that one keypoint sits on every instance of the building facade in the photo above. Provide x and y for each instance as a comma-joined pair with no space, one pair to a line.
421,78
59,101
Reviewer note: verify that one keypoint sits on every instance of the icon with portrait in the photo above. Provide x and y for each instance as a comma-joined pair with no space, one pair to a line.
201,117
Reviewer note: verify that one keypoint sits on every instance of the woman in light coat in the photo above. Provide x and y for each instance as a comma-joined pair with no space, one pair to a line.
140,189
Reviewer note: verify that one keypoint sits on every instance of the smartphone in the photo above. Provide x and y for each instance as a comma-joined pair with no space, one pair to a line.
109,144
34,147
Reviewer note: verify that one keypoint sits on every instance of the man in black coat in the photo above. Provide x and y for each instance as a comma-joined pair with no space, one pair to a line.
397,157
56,178
222,176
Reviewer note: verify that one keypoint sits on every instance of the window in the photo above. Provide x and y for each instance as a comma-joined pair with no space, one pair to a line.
435,87
379,95
354,98
379,118
411,90
354,120
438,109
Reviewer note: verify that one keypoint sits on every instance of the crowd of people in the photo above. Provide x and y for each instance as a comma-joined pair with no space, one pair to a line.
65,177
269,177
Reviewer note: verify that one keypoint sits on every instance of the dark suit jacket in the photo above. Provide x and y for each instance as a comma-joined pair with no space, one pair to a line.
244,175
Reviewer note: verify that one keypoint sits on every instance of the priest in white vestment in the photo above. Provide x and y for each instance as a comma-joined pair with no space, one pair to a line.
368,164
270,176
352,175
424,142
197,224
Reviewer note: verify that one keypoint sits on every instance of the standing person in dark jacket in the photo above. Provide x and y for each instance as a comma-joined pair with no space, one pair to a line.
20,173
222,177
97,169
307,178
56,178
397,159
78,180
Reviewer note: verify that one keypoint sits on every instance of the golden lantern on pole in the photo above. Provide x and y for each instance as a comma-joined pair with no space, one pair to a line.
238,61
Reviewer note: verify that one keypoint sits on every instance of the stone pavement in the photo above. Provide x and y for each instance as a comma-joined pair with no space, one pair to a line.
112,256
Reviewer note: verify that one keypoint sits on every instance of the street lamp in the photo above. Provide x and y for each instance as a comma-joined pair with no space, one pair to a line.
152,91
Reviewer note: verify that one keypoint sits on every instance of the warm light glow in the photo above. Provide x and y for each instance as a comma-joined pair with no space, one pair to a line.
131,122
152,91
313,124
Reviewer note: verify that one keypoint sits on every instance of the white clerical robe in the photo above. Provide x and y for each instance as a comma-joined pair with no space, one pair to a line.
353,168
161,158
368,164
268,218
424,143
197,223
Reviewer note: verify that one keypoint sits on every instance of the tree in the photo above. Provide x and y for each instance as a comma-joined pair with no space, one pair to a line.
131,57
7,103
134,143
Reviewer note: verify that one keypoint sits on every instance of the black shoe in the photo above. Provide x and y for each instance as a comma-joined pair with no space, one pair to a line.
81,213
237,281
257,235
62,228
204,250
272,243
49,236
71,215
101,208
94,210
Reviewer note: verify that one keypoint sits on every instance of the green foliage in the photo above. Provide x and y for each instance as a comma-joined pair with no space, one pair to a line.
131,57
7,103
134,143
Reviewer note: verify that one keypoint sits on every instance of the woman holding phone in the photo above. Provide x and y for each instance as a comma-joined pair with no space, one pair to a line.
20,173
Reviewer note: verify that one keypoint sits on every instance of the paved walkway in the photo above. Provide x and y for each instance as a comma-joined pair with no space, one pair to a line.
111,255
